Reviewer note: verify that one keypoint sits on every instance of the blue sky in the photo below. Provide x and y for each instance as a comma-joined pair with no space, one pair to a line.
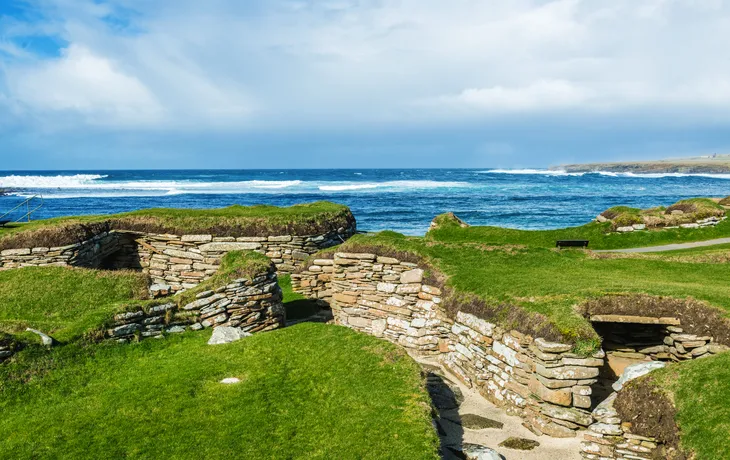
93,84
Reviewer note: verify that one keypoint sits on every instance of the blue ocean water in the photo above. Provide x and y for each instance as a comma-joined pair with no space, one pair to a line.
400,200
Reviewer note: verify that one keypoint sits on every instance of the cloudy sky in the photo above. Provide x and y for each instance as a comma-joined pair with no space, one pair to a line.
88,84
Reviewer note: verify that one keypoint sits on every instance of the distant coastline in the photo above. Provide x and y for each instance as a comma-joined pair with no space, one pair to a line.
715,164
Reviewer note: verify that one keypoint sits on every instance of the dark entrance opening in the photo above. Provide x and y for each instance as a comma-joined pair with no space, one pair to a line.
626,344
124,255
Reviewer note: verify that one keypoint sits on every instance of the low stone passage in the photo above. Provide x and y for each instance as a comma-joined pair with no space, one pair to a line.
466,418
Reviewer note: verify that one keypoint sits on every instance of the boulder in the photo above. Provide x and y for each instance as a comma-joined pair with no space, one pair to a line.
477,452
635,371
46,340
225,334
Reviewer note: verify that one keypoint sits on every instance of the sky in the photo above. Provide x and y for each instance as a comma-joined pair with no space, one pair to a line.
142,84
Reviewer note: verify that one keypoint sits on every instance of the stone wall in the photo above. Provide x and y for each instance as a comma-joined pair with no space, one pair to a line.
651,339
89,253
254,305
174,262
611,438
541,381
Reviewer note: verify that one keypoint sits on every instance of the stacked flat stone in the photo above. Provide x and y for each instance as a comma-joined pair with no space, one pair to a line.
610,438
86,254
683,346
254,305
541,381
380,295
650,338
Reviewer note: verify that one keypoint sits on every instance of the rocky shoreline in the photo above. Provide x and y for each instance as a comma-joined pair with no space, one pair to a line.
690,166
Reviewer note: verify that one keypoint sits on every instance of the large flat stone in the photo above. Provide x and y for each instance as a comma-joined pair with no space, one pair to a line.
412,276
634,319
561,397
564,413
227,247
567,372
224,334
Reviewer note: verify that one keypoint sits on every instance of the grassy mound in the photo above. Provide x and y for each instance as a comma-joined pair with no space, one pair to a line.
302,219
599,235
681,212
725,201
309,391
687,405
538,290
64,302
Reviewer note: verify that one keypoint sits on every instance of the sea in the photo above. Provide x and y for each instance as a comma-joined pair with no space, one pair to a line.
403,200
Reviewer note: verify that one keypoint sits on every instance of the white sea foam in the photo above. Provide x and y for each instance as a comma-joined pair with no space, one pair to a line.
88,185
341,188
552,172
75,181
542,172
396,185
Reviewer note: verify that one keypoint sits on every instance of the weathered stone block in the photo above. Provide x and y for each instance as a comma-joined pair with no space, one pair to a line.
562,397
227,247
412,276
567,372
196,238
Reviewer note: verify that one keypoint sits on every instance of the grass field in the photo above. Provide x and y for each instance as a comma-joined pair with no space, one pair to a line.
309,391
64,302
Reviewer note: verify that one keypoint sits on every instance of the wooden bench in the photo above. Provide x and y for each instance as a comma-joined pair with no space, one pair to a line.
571,244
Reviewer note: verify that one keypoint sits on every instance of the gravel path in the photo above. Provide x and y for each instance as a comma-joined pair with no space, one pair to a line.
672,247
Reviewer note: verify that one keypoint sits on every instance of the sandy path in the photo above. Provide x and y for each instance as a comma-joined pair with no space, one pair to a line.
474,403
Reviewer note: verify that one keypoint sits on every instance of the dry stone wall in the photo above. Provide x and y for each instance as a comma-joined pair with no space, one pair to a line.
253,305
174,262
611,438
651,339
89,253
541,381
546,384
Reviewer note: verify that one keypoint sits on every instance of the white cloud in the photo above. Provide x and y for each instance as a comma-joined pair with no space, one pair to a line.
82,82
541,95
190,64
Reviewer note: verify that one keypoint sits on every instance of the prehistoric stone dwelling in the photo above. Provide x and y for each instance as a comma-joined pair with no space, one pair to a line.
253,304
557,392
174,262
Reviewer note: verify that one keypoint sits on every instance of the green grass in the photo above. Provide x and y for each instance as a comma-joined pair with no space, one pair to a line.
64,302
301,219
309,391
597,233
297,306
700,390
550,282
